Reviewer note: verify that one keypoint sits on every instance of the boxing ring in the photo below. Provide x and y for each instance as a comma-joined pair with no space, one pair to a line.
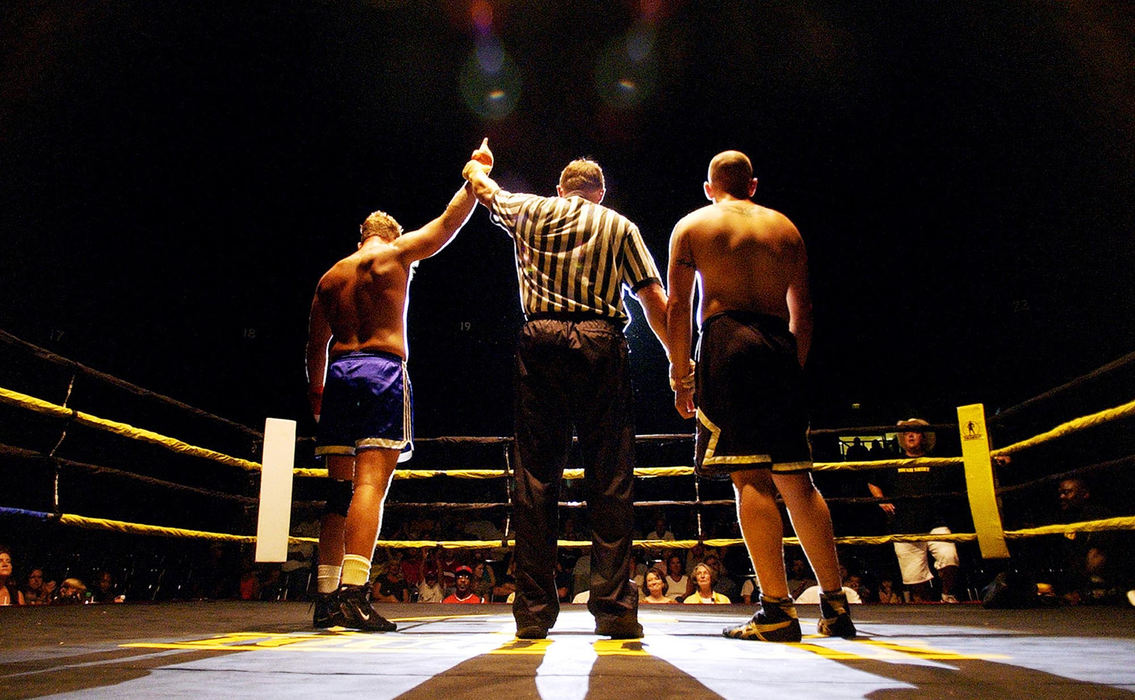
181,647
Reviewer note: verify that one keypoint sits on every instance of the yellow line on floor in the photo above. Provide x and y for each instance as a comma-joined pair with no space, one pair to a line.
342,640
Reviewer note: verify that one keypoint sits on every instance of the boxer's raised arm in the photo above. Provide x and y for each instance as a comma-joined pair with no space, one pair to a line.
435,235
431,238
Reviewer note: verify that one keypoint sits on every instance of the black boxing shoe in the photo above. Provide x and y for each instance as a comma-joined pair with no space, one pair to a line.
775,621
835,620
532,632
326,612
353,605
626,627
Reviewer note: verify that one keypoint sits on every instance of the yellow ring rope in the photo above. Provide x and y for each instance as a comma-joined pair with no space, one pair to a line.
16,398
44,407
1107,524
1126,410
645,472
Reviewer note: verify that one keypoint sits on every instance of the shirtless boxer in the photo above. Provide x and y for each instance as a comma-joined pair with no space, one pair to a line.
358,319
756,327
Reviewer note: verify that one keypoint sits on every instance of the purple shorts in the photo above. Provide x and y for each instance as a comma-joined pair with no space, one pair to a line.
367,404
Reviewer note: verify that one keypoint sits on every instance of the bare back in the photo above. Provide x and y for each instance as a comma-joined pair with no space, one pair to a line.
363,298
747,257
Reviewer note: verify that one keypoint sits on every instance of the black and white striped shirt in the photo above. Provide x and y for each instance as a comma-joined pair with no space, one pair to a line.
572,255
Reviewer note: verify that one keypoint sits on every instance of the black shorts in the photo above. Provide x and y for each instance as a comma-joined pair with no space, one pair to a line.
750,395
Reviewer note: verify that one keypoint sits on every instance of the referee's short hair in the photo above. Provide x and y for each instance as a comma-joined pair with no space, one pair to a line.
582,175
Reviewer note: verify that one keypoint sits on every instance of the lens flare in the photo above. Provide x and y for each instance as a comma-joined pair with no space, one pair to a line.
490,81
482,13
628,69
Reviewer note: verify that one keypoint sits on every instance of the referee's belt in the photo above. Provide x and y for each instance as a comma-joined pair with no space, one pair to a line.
569,316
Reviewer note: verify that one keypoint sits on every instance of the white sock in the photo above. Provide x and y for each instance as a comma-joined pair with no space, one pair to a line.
356,570
327,578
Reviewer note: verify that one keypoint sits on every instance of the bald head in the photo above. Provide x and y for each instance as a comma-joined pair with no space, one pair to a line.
730,172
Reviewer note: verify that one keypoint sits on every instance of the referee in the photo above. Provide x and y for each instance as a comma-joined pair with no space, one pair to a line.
574,257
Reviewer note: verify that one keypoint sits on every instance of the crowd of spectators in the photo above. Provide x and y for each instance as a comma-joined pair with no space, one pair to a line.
37,589
1092,568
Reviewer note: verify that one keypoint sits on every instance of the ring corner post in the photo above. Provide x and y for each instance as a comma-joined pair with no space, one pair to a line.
273,521
980,486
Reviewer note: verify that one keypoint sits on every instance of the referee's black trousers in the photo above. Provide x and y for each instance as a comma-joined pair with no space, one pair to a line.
573,374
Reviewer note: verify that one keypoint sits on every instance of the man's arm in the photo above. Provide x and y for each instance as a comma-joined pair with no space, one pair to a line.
318,340
888,508
680,275
476,171
652,298
800,305
431,238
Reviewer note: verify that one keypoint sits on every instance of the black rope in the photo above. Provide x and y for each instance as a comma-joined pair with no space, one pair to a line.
451,440
1095,374
11,451
406,505
68,421
120,383
420,505
860,429
508,481
1053,478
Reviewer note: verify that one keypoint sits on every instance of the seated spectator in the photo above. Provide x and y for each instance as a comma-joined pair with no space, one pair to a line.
448,563
581,574
723,583
249,584
71,592
37,591
655,581
638,568
676,581
696,554
1090,562
705,576
887,593
811,596
855,583
750,591
10,593
429,590
412,564
799,576
661,530
105,590
430,564
464,592
484,580
563,581
391,587
483,530
571,530
273,584
505,587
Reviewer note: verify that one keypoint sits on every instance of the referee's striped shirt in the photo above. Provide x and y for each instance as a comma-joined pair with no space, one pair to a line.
572,255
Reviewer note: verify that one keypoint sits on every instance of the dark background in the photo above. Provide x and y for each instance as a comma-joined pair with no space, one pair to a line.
175,177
